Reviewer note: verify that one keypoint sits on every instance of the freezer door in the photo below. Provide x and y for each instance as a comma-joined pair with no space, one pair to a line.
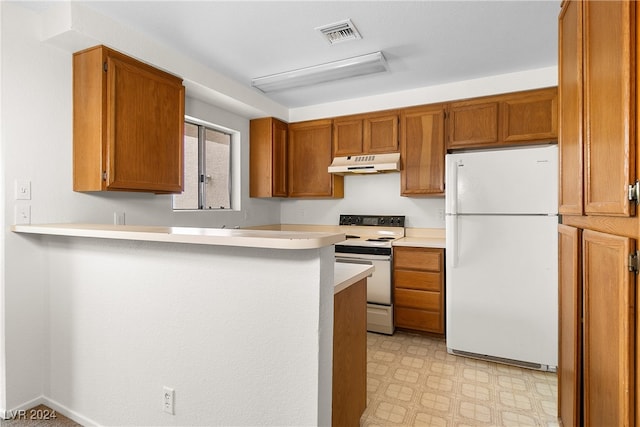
513,181
502,287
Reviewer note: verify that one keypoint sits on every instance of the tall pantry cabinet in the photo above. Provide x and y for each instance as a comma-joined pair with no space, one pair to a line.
598,121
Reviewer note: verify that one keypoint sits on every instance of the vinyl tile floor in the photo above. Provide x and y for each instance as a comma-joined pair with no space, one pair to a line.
413,381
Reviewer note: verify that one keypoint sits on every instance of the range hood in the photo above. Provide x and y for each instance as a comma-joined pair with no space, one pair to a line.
368,163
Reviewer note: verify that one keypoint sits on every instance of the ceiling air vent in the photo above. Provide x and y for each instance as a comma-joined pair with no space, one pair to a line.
340,31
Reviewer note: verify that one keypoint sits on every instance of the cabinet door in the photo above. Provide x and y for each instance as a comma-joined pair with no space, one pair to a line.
570,325
349,355
267,158
570,111
530,116
380,134
309,159
145,120
347,136
609,340
472,124
422,151
279,132
609,106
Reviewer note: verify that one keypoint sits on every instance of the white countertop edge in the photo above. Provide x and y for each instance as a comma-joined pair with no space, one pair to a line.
346,274
191,235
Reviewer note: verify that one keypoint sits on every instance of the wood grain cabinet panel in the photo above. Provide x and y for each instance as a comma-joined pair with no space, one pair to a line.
128,124
527,117
570,325
422,151
609,106
349,355
309,157
599,361
570,96
609,335
418,281
380,133
531,116
371,133
268,158
472,124
347,136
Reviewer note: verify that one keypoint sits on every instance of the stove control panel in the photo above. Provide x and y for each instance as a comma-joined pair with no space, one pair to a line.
373,220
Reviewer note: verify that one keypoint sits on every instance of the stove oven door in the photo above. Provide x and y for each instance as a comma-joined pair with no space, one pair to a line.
379,283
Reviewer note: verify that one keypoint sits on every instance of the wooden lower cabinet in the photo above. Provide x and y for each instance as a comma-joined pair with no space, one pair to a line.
596,373
349,355
418,277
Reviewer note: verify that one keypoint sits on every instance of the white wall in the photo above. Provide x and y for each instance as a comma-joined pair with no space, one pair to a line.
239,342
367,194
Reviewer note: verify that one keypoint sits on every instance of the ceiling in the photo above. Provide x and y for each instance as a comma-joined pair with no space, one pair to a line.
425,43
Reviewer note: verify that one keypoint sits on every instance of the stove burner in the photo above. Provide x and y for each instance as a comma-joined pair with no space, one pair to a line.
380,239
351,236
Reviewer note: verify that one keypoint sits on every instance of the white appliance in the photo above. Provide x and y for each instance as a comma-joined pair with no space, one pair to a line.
367,163
369,241
501,255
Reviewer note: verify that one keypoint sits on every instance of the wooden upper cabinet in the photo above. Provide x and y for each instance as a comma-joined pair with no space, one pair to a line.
347,136
268,158
570,96
128,124
609,106
472,124
518,118
422,151
530,116
309,157
372,133
380,133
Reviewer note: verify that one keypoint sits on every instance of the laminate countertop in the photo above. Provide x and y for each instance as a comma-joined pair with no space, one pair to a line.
250,238
344,274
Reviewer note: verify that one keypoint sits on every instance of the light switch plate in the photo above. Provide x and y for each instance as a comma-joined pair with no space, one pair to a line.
23,189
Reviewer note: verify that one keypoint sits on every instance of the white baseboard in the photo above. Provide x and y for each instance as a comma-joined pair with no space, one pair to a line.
43,400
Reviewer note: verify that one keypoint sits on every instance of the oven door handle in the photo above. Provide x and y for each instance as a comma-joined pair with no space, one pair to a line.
353,261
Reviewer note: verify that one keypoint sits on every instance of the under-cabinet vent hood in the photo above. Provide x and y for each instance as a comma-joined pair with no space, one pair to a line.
369,163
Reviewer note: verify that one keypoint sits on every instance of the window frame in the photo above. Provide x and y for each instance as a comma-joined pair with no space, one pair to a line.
234,138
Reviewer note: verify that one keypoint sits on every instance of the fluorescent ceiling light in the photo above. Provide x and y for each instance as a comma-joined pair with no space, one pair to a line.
345,68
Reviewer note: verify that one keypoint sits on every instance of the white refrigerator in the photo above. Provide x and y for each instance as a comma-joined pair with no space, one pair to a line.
501,255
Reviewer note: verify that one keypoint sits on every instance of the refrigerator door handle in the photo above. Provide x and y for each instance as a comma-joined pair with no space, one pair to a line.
454,241
453,188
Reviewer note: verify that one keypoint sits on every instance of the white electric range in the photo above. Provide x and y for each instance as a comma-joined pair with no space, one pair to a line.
369,241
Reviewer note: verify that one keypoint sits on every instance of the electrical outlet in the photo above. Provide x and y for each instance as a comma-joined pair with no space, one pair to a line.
168,395
23,214
441,214
118,218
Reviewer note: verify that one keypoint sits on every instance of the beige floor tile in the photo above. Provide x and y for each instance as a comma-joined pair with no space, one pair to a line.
413,381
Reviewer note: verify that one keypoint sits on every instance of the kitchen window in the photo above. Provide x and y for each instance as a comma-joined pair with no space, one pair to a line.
207,167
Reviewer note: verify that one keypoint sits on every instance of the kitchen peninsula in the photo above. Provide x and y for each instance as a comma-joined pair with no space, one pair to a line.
238,322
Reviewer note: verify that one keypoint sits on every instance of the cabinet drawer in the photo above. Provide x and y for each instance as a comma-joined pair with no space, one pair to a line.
418,258
412,279
428,321
425,300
